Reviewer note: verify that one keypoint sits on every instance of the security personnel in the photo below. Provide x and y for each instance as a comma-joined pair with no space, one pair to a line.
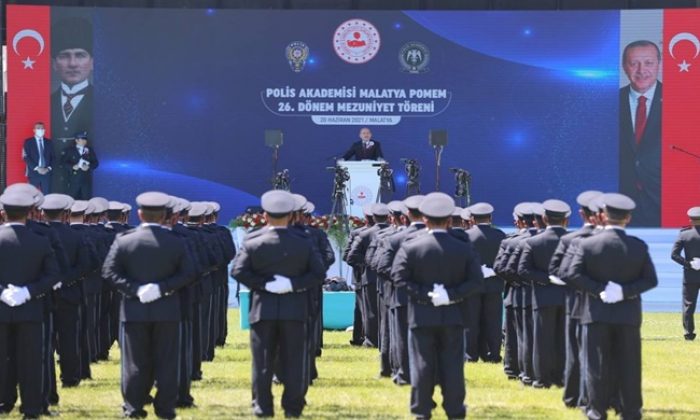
439,272
279,265
148,265
688,242
485,320
68,295
358,333
613,269
399,296
29,272
357,260
547,298
558,269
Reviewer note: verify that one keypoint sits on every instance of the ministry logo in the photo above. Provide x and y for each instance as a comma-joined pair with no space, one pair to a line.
356,41
414,58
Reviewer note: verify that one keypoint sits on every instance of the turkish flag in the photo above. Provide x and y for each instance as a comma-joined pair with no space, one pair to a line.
680,174
28,80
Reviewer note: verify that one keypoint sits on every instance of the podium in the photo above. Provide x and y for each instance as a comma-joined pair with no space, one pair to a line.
363,186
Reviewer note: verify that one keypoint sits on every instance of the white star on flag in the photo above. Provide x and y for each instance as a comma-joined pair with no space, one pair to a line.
684,66
28,63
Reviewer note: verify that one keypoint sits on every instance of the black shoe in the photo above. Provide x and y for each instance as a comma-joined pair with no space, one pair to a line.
290,415
167,416
689,337
30,417
540,385
197,376
385,374
355,343
526,380
138,414
149,399
186,404
257,412
400,381
70,384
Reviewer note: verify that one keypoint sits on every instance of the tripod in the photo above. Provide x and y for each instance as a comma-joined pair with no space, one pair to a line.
339,209
463,182
386,183
412,168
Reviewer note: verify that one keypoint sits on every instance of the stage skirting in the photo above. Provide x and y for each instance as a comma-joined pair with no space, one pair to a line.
338,309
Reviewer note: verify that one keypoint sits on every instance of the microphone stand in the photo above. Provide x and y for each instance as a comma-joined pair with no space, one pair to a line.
674,147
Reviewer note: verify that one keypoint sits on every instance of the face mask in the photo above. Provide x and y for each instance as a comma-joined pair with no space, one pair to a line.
39,132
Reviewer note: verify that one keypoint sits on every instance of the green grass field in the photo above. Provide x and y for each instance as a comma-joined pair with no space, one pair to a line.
348,387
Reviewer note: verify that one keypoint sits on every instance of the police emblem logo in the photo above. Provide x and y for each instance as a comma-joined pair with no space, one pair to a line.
414,57
356,41
297,52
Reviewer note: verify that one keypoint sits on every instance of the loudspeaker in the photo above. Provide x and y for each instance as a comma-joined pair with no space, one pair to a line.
273,138
438,138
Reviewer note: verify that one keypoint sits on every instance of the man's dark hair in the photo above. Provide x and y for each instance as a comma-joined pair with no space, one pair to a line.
616,215
482,219
438,220
415,214
114,215
640,43
39,123
556,220
53,214
152,215
16,213
380,219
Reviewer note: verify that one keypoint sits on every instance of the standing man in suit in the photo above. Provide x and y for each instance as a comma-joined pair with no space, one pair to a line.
688,242
640,131
613,269
280,266
82,161
38,155
72,102
29,273
439,271
365,149
148,266
485,323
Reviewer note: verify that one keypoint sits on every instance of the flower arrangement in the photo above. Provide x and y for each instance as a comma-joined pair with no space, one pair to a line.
248,221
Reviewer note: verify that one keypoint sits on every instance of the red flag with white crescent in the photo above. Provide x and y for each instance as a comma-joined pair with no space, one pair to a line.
28,80
680,175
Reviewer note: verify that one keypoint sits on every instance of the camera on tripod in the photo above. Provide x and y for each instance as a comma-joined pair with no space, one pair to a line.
281,180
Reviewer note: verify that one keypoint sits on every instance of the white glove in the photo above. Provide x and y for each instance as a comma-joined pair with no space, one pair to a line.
439,295
15,296
84,164
487,272
280,285
556,280
57,285
612,293
6,296
148,293
695,263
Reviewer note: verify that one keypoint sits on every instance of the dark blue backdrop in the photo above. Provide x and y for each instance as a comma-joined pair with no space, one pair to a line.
533,109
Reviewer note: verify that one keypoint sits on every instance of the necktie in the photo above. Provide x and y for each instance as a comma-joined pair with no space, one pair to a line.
640,120
68,106
41,153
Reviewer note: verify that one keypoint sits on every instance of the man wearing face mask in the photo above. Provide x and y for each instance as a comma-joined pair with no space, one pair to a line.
81,160
365,149
38,154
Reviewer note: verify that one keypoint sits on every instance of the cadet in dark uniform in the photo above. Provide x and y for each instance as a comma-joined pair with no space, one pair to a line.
148,265
547,298
485,321
279,265
68,295
613,269
357,260
29,273
439,272
558,269
358,334
688,242
80,161
399,296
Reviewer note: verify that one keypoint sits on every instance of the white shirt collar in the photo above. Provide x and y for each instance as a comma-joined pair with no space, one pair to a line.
437,230
13,224
76,88
144,224
609,227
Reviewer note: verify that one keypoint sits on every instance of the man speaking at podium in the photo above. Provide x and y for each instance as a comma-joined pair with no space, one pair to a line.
365,149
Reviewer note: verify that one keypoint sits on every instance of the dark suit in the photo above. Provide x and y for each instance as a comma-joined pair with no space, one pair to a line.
28,261
358,151
436,335
64,131
278,321
358,334
31,157
640,165
688,243
547,305
149,333
611,332
485,324
79,181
